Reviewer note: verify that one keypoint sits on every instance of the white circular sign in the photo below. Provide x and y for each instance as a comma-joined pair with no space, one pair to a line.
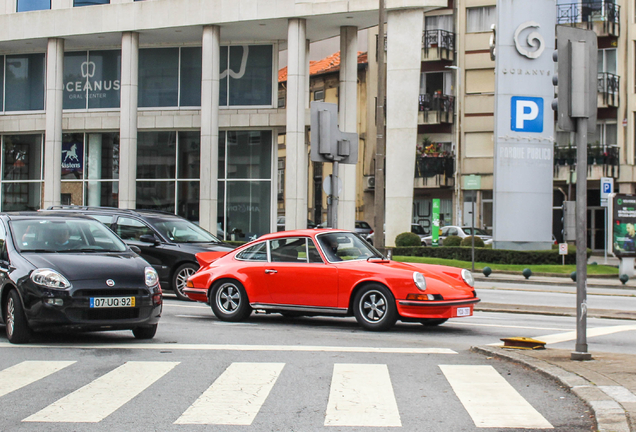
326,185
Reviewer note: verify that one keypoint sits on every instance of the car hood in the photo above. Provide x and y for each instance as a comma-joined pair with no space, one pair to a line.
438,277
123,268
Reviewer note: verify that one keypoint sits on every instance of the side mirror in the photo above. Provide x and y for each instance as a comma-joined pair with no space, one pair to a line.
148,238
135,249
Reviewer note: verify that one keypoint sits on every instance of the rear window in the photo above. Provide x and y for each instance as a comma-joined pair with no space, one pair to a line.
363,225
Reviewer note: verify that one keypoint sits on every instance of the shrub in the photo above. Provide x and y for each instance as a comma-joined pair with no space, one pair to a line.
468,241
452,240
408,239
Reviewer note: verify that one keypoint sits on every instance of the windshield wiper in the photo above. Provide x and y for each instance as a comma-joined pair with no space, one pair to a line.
38,250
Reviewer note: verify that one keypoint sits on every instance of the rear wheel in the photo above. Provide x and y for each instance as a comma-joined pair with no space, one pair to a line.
432,322
180,278
374,308
18,330
145,332
229,301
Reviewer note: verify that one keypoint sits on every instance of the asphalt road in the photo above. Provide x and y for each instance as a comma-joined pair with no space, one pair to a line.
305,374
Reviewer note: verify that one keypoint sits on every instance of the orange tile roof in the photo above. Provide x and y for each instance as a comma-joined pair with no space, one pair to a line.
326,65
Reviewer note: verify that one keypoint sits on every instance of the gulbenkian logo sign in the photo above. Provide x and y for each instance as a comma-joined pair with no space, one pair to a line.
95,88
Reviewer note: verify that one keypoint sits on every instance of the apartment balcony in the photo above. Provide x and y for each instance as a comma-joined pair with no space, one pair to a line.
608,90
434,171
601,16
436,109
602,161
438,45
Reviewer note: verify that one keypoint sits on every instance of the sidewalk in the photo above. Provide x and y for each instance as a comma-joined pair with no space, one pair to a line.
607,383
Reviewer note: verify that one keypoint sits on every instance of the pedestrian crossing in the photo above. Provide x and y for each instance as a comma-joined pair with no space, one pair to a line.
359,395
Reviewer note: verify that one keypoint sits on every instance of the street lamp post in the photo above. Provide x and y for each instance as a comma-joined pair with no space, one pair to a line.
458,81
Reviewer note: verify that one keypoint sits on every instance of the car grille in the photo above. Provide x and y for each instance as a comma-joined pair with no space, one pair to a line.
109,292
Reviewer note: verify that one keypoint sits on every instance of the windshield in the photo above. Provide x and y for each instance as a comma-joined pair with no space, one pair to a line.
417,229
478,231
346,246
183,231
64,235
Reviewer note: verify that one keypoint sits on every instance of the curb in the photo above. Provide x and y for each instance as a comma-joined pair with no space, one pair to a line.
608,413
553,311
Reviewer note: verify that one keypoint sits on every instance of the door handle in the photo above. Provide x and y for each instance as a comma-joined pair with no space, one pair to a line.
268,271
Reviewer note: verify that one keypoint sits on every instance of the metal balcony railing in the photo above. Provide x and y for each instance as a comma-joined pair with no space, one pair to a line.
436,108
608,89
438,44
431,166
604,155
602,16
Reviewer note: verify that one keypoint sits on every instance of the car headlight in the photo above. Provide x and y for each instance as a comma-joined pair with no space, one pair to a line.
468,277
420,281
49,278
151,277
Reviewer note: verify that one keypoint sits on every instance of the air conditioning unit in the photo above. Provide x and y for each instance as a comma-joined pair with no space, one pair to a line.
369,182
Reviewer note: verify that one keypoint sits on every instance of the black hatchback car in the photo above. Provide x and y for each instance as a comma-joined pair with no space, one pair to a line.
60,271
167,241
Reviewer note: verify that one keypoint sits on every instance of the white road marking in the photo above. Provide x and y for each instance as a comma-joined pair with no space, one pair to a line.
106,394
213,347
619,393
490,400
591,332
235,397
28,372
362,395
502,326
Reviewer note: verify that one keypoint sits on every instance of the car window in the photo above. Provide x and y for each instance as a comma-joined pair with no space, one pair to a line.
131,229
362,225
105,219
4,256
81,235
312,253
417,229
292,249
258,252
345,246
444,231
452,231
183,231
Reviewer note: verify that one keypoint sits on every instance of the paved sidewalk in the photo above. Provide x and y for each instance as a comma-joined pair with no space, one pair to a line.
607,383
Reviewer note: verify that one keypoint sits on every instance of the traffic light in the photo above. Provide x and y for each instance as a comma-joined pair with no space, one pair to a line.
569,221
576,78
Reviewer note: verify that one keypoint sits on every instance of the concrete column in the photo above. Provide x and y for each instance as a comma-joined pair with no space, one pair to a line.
296,163
348,121
208,201
128,122
404,59
53,132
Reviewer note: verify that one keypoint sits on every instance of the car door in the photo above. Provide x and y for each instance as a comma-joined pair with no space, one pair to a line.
4,258
297,274
130,230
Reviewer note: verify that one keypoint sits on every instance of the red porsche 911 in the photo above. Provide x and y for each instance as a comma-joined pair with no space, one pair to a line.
328,272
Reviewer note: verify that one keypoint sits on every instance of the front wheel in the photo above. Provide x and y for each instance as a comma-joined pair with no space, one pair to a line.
229,301
145,332
180,278
374,308
18,330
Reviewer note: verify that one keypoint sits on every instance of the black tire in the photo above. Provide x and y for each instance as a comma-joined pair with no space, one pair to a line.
433,322
145,332
180,277
229,301
374,308
18,331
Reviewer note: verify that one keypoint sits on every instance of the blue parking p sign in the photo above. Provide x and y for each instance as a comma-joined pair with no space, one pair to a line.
526,114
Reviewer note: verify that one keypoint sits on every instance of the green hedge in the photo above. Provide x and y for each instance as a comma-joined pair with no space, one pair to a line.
468,241
408,239
492,256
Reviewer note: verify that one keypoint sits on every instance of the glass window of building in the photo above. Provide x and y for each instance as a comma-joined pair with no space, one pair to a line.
606,60
159,77
245,184
168,172
24,82
89,2
92,79
480,19
90,169
33,5
21,172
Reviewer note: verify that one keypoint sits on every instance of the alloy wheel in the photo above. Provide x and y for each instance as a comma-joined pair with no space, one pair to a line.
10,317
182,278
228,298
373,306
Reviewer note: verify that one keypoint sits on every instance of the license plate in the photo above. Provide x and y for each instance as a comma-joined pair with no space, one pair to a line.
463,311
112,302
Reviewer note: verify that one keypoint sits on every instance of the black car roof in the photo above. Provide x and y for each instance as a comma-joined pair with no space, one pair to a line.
44,215
113,210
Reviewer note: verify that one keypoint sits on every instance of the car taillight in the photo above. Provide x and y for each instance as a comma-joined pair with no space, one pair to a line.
371,232
157,297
